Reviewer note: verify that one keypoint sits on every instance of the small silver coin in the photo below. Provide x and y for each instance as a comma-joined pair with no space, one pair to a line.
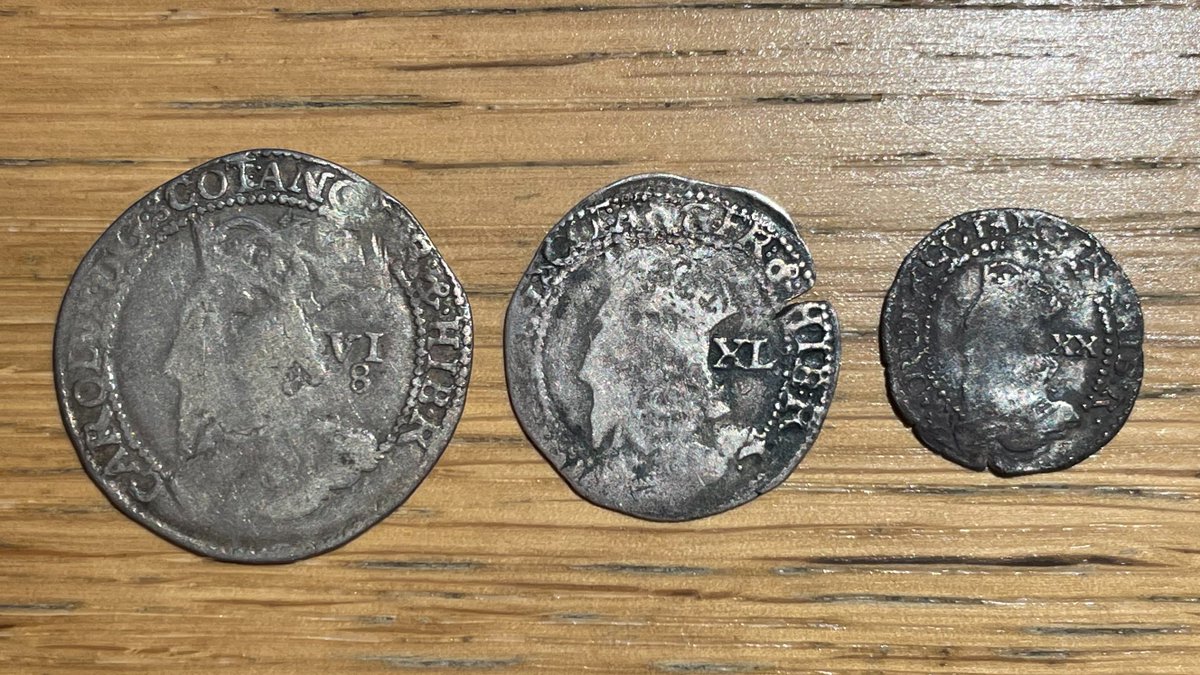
657,351
1012,341
262,357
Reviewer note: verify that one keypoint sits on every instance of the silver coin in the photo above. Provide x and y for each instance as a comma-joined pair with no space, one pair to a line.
1012,341
262,357
658,354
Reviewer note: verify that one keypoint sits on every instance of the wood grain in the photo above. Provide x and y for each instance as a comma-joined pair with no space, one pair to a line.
870,121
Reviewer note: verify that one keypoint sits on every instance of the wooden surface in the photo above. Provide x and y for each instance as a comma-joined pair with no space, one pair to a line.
870,122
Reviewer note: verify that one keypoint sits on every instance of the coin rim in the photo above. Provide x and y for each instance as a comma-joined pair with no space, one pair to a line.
778,211
279,553
901,404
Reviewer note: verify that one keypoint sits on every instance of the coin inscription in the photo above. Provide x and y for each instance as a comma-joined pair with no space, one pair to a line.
262,357
1013,342
657,351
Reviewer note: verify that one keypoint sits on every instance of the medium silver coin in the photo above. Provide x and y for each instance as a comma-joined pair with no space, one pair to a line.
657,351
1012,341
262,357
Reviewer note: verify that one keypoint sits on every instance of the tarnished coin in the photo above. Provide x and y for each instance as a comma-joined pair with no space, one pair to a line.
656,351
1013,342
263,357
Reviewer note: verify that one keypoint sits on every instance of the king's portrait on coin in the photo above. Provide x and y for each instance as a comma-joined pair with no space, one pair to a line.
1004,375
662,420
252,374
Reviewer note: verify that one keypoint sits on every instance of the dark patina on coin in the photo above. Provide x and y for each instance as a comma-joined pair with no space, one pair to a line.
262,357
1013,342
657,352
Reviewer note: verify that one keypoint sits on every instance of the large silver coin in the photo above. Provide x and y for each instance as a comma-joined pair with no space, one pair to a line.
1013,342
658,355
263,357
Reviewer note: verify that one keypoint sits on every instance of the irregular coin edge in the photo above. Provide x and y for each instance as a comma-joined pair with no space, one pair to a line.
779,215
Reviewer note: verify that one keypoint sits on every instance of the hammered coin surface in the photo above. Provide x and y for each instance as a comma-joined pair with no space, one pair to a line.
262,357
1012,342
656,351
